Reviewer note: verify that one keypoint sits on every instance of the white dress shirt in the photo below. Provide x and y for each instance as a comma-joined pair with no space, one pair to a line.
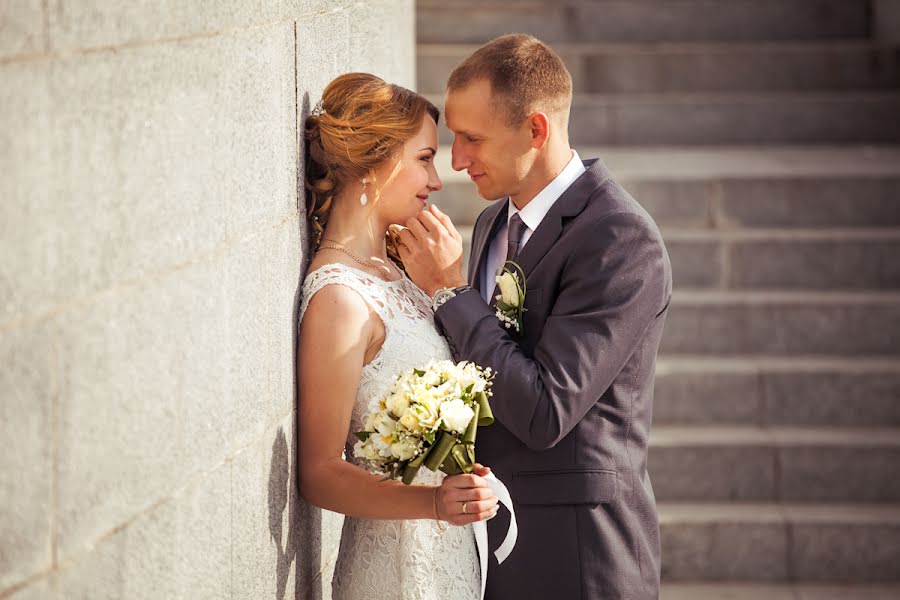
532,215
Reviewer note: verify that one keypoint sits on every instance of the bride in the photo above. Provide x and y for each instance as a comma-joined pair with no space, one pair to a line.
362,322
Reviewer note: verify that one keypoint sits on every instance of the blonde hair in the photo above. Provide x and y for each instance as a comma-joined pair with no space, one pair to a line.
525,75
361,123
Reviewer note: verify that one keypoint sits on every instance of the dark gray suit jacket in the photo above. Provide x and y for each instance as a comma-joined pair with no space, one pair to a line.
573,395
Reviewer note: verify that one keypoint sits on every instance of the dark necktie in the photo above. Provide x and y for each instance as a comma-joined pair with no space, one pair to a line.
515,232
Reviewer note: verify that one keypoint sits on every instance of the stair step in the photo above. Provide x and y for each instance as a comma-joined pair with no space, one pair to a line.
733,187
783,323
785,259
738,118
794,464
793,591
606,68
476,21
780,259
795,390
780,542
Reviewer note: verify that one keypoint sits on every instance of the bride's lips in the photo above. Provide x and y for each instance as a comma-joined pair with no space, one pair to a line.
423,198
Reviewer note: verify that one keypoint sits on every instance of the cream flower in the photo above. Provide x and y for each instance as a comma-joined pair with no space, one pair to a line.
398,403
509,289
411,422
456,415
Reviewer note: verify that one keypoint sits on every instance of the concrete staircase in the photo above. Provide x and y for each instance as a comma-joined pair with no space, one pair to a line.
764,137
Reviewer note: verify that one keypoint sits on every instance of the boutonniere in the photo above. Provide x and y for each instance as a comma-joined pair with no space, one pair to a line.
511,299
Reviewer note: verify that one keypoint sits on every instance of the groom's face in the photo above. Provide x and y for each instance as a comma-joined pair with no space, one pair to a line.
495,155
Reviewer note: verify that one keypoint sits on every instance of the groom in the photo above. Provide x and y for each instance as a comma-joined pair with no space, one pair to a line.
573,394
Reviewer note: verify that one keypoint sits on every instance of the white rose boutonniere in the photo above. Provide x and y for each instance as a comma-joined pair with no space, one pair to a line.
511,299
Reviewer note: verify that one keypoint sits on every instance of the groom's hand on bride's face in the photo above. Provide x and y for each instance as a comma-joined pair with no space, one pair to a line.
432,252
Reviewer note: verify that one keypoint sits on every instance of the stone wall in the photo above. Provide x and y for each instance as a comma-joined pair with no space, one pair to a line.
152,245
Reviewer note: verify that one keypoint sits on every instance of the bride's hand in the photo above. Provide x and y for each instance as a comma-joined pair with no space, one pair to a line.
464,499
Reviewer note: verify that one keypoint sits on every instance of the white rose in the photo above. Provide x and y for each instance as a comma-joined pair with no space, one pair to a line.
456,415
385,425
509,290
427,412
365,450
411,422
403,450
398,404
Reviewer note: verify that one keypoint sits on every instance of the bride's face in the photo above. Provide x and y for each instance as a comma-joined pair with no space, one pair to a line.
410,177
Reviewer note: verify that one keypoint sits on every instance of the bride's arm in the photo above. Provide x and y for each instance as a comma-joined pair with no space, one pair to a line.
337,330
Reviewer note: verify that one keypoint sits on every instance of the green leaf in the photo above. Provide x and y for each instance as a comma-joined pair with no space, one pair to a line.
363,435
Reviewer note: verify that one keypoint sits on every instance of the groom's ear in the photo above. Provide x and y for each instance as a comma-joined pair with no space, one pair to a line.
539,126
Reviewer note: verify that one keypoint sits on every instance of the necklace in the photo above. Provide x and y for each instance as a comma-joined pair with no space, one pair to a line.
334,245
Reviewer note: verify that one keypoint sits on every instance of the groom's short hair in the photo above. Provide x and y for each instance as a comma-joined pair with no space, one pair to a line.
526,75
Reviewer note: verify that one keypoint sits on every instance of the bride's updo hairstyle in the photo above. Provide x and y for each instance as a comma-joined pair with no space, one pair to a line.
360,124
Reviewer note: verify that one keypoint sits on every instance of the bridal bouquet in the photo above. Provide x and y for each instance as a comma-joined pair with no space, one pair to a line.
429,417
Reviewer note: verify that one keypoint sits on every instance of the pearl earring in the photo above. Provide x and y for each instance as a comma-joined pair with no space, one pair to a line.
364,199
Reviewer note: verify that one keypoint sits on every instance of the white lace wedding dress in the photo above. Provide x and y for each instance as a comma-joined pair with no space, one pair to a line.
409,559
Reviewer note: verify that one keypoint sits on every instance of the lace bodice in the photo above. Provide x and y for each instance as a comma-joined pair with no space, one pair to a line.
414,560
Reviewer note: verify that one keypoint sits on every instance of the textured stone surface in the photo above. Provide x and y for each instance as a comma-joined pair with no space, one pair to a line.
739,118
391,56
811,202
856,397
707,397
179,548
768,542
698,119
697,263
21,28
154,250
42,589
834,392
886,20
859,261
265,560
747,464
783,591
686,470
621,68
28,393
221,142
97,24
642,20
741,544
169,409
782,325
859,470
830,546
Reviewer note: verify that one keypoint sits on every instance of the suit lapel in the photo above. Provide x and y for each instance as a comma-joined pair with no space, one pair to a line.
494,217
569,204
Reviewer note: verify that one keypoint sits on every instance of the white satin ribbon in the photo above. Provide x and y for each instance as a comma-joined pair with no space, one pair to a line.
480,527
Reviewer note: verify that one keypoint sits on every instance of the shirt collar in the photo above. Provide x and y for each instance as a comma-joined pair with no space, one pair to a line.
535,211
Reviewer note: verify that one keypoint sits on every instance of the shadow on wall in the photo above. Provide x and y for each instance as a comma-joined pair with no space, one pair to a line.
303,540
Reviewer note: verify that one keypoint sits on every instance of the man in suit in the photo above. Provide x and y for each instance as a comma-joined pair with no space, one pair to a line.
573,393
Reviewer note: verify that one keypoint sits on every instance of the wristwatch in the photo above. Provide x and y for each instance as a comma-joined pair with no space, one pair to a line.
442,295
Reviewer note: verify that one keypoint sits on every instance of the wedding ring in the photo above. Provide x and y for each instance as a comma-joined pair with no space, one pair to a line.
464,508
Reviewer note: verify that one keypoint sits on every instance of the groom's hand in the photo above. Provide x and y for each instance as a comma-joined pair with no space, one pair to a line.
432,252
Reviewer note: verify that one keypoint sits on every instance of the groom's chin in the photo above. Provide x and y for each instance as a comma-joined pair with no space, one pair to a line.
491,196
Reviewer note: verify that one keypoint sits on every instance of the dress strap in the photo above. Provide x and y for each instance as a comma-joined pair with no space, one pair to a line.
369,287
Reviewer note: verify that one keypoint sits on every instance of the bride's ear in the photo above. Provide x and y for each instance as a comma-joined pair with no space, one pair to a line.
539,124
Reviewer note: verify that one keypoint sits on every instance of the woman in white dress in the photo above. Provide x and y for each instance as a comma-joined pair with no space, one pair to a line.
362,322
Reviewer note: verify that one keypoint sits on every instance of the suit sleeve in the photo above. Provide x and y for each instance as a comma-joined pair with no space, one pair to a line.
613,286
